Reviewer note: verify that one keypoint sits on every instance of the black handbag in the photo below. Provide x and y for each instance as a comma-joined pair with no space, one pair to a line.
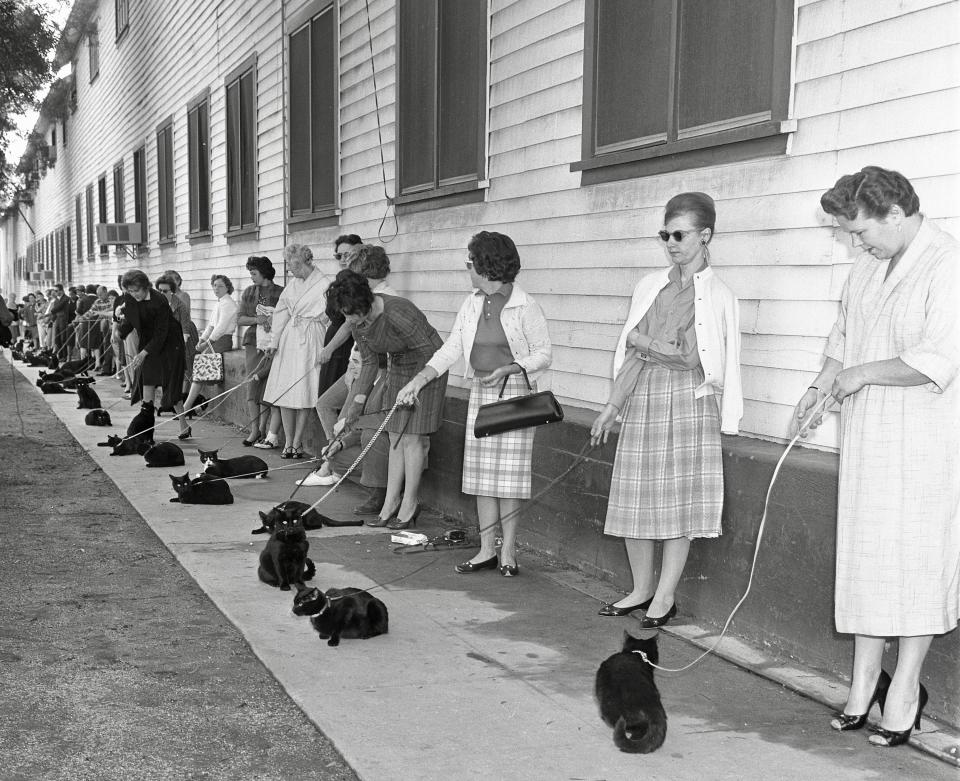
534,409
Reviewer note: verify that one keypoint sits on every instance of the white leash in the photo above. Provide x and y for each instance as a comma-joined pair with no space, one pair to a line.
818,408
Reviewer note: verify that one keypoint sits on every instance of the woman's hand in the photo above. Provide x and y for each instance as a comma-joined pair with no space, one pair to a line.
848,382
202,345
638,341
498,374
263,320
323,357
807,402
138,359
603,425
407,396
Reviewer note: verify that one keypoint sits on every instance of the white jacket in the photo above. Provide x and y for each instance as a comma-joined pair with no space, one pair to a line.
717,315
523,323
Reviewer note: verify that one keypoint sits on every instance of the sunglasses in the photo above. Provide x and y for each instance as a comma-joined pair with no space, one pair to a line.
677,236
337,255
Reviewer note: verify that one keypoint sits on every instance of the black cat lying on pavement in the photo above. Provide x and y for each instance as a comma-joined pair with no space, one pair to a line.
201,490
342,613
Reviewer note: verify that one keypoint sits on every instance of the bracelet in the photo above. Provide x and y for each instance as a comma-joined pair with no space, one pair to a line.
814,387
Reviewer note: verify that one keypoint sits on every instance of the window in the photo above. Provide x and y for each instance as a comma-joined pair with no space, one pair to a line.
66,256
119,213
63,132
140,190
93,49
198,130
242,148
165,215
122,16
79,216
102,206
442,96
313,117
90,222
665,77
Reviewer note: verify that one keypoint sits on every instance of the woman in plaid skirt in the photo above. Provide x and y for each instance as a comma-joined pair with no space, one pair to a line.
676,387
499,328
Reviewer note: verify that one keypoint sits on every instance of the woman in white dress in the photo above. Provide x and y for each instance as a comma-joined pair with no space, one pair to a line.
892,359
296,339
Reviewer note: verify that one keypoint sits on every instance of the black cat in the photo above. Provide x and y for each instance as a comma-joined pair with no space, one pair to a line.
342,612
97,417
283,560
143,423
53,387
201,490
628,697
241,467
43,377
76,367
164,454
312,520
125,447
87,397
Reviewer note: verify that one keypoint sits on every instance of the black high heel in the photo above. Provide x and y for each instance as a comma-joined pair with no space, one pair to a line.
395,524
845,722
889,738
611,610
186,434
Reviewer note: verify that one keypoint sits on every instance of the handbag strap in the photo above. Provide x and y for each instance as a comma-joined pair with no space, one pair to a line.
526,379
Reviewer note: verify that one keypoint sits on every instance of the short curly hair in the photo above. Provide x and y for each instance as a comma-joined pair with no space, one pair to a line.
135,278
494,256
350,293
166,279
225,279
300,251
873,190
263,265
370,261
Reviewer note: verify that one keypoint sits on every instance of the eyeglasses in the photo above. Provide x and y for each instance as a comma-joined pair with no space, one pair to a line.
337,255
677,236
468,264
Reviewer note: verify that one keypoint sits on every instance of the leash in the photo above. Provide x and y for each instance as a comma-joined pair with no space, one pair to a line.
819,407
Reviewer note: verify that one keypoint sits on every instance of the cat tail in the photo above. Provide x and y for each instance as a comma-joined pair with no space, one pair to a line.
309,569
641,736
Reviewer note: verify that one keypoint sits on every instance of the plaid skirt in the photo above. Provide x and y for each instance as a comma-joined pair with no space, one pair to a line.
668,472
499,465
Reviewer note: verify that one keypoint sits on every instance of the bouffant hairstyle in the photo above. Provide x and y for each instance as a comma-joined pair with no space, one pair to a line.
350,293
263,265
166,279
370,261
177,279
135,279
347,238
873,190
699,205
91,288
225,279
494,256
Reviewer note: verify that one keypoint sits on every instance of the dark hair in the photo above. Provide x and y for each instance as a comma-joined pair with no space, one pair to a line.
495,256
699,205
263,265
91,288
135,278
112,292
347,238
350,293
226,281
873,190
177,279
58,286
166,279
370,261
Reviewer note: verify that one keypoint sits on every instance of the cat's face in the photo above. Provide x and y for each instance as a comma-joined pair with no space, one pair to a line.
309,602
646,644
288,525
207,457
180,484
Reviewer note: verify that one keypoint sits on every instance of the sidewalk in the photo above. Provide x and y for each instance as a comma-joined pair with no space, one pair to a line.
480,676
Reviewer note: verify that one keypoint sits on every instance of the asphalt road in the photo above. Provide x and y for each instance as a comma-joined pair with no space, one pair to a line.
114,664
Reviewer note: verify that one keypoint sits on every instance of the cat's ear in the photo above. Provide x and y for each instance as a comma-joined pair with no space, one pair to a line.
263,516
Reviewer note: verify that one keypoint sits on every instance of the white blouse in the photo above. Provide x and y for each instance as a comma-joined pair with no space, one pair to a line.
224,320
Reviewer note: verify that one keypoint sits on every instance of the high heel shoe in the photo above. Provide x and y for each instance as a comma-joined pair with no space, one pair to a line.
845,722
889,738
648,622
395,524
287,452
186,434
466,567
609,609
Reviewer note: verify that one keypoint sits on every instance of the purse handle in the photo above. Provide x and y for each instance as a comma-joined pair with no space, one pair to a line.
526,379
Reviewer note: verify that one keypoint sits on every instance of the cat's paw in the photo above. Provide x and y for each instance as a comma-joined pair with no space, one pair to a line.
285,587
333,640
175,499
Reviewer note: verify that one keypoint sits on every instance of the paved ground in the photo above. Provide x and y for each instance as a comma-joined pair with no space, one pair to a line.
479,677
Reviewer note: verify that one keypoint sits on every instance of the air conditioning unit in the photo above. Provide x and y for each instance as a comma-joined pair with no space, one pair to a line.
36,276
119,233
47,276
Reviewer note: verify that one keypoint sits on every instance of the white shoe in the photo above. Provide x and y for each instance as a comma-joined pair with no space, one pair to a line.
315,478
266,444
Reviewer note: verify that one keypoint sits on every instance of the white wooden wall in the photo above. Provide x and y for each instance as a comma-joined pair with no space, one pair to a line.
876,82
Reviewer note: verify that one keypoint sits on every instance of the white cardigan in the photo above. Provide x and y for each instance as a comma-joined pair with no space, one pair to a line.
717,315
523,323
224,320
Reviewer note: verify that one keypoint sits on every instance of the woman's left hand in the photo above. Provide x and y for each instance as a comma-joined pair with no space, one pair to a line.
848,382
138,359
498,374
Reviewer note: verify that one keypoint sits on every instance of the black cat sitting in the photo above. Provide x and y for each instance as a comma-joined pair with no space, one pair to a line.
97,417
164,454
283,560
87,397
342,612
240,467
201,490
628,697
143,423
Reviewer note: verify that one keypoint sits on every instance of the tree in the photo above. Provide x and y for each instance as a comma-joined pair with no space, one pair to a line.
27,39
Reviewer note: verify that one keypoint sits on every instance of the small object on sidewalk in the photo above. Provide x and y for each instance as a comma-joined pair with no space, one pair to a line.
409,538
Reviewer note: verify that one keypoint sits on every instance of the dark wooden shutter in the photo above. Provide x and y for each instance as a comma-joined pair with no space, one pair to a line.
418,94
248,150
199,166
119,212
323,107
300,146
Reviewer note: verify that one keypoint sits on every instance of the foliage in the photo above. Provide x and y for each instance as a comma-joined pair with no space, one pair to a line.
27,39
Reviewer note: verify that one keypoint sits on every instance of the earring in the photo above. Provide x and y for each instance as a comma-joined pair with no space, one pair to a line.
899,228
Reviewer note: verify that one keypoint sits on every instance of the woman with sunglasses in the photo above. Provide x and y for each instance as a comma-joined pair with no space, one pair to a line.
676,387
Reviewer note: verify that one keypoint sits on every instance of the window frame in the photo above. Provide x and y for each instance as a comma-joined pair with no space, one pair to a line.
121,16
90,232
93,49
119,196
198,167
140,205
102,209
166,202
247,185
78,205
730,141
467,188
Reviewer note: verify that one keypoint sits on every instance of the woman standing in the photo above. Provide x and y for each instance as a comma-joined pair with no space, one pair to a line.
676,386
296,339
159,362
257,303
499,329
217,337
892,359
388,326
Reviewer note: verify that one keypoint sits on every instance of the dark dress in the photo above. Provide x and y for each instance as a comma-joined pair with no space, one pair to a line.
162,338
333,369
403,334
